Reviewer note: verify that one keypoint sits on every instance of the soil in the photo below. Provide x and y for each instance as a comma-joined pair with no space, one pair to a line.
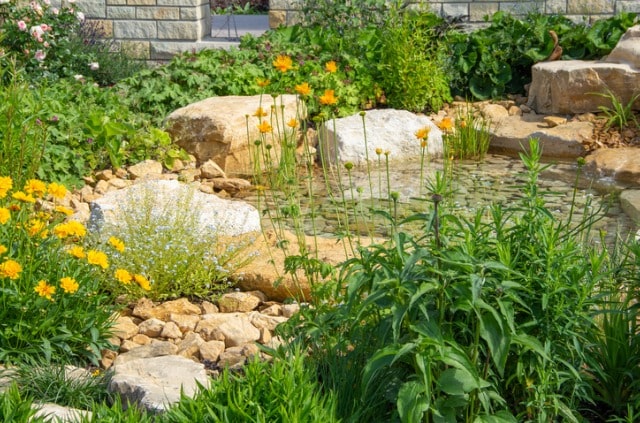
614,137
257,5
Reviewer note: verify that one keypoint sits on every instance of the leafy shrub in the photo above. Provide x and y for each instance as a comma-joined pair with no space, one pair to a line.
163,251
53,308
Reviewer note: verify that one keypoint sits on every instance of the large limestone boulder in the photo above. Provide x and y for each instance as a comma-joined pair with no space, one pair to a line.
216,128
387,129
572,86
223,217
621,164
512,134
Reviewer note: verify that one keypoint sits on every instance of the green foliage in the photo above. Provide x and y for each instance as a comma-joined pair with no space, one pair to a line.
170,247
282,391
469,138
344,16
62,385
412,62
494,61
620,115
16,407
477,319
52,308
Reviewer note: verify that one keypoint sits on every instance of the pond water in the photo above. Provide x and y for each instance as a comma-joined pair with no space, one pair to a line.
475,184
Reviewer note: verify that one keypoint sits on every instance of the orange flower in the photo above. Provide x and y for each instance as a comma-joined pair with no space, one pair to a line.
45,290
10,269
5,215
260,112
21,196
116,243
331,66
328,98
303,89
262,82
6,183
35,187
77,251
292,123
264,127
283,63
3,249
35,226
69,285
57,190
98,258
64,210
123,276
142,281
446,124
423,133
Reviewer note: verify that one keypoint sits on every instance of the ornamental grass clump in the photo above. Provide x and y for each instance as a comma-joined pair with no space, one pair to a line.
52,305
160,249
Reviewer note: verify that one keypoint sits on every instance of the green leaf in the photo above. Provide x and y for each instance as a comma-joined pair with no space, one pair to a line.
412,402
500,417
492,330
457,382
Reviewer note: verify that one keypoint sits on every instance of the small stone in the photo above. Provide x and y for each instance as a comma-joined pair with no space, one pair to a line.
211,350
145,170
186,322
124,328
119,183
101,187
238,301
272,310
122,173
208,307
515,111
210,170
152,327
190,346
553,121
171,331
141,339
289,310
104,175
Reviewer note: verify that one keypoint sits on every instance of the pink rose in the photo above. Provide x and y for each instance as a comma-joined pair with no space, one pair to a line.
40,55
22,25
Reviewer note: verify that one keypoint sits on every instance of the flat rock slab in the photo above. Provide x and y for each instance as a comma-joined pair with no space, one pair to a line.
630,203
390,130
511,135
620,164
156,383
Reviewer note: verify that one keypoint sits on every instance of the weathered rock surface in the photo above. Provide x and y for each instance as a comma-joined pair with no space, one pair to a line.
621,164
386,129
155,383
511,134
216,128
57,413
572,86
630,203
217,215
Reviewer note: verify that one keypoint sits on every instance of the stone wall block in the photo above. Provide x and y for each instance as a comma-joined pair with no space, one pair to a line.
195,13
141,2
182,3
177,30
158,13
121,12
130,29
94,8
591,7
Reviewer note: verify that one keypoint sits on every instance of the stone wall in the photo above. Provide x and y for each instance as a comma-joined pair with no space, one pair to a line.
287,12
155,30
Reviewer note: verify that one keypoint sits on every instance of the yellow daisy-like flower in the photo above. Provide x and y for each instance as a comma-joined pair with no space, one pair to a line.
56,190
123,276
69,285
303,89
423,133
264,127
98,258
293,123
10,269
21,196
64,210
35,226
6,183
283,63
45,290
3,249
446,124
328,98
260,112
70,228
143,282
378,151
35,187
5,215
262,82
77,251
331,66
116,243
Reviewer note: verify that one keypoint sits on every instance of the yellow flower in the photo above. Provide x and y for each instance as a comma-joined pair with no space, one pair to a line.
331,66
70,228
69,285
328,98
35,187
21,196
446,124
260,112
423,143
35,226
10,269
44,289
98,258
264,127
57,190
262,82
5,215
116,243
423,133
6,183
303,89
283,63
123,276
292,123
64,210
378,151
3,249
77,251
143,282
